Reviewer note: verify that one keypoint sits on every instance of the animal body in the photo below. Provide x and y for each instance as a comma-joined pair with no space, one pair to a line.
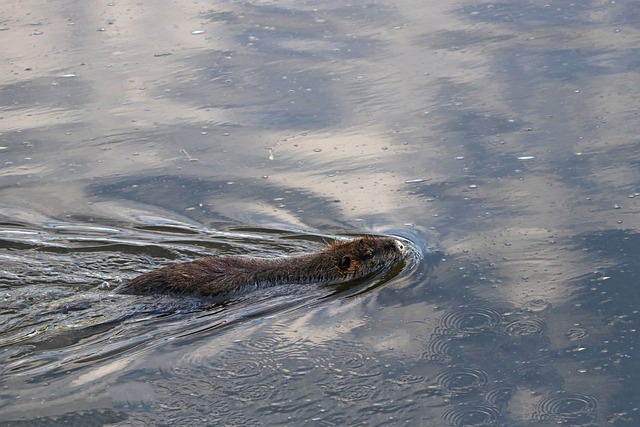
338,262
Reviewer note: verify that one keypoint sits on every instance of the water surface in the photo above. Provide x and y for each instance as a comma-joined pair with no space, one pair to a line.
501,138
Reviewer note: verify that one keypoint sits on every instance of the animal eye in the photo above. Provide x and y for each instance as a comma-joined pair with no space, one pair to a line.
345,262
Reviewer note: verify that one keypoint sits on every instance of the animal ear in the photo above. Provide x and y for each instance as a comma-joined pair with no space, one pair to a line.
345,262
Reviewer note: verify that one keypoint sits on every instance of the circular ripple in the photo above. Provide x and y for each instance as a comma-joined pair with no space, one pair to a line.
349,359
407,379
469,321
239,419
462,380
536,304
472,416
255,392
522,327
501,395
355,393
576,409
438,349
576,334
296,366
349,362
237,368
273,343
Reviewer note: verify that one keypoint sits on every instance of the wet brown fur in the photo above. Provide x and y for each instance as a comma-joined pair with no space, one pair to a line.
218,275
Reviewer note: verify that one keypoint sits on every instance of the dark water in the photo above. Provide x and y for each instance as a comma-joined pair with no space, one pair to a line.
500,138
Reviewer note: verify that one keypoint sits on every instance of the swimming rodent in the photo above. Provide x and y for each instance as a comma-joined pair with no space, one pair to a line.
338,262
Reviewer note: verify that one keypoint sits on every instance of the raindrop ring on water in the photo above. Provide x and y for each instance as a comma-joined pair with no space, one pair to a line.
470,320
501,395
355,393
462,380
437,349
575,334
522,327
472,416
575,408
534,304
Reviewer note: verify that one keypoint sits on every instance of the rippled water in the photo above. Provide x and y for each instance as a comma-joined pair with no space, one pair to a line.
500,138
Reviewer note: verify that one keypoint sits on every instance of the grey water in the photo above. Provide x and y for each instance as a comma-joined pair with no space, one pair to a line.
500,138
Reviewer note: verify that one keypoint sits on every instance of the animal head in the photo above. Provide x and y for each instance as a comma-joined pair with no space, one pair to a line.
365,255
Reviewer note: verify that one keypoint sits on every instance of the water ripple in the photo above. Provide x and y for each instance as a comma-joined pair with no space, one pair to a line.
536,303
239,419
462,380
342,361
353,393
408,379
255,392
529,326
472,416
499,396
577,333
437,349
574,409
233,366
469,321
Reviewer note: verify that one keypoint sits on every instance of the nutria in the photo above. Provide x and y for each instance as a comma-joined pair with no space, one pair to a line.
218,275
